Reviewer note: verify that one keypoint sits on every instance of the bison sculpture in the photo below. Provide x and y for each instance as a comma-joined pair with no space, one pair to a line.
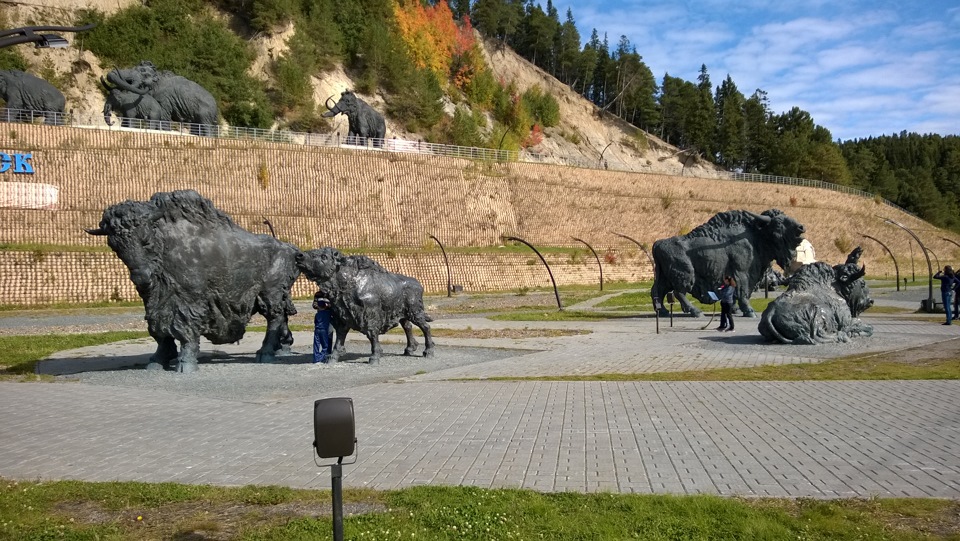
734,243
366,297
821,305
200,274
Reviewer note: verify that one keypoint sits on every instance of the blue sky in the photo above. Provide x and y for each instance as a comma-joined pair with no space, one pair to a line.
859,68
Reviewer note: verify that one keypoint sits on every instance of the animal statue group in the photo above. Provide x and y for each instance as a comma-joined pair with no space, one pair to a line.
363,121
179,98
200,274
734,243
28,96
366,297
820,305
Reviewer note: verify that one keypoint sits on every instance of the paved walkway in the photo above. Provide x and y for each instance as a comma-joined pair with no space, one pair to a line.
818,439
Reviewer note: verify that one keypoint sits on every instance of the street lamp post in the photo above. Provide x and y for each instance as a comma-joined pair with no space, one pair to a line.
29,34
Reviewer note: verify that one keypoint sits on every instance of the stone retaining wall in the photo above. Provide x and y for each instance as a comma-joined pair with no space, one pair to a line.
388,202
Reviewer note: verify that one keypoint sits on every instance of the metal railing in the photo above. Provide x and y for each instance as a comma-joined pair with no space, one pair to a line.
335,140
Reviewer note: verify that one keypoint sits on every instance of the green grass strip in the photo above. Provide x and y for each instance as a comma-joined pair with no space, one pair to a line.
77,510
19,354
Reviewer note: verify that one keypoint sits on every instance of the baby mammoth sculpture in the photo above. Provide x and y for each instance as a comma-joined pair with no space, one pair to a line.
368,298
735,243
200,274
132,108
363,121
180,99
821,305
28,96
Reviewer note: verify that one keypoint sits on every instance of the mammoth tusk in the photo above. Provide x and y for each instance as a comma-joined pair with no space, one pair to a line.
105,84
98,231
327,103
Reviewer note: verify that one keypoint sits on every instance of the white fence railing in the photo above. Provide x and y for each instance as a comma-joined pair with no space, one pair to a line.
335,140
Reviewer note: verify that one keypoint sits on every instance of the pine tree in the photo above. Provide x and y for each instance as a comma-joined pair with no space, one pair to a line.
731,126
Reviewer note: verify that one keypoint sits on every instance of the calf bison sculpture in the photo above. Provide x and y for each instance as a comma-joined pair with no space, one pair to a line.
366,297
821,305
735,243
200,274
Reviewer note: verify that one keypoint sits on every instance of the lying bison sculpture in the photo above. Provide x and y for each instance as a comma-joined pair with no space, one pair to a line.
200,274
366,297
734,243
821,305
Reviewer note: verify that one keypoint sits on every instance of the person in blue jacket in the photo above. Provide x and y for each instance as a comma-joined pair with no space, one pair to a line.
321,327
728,292
948,281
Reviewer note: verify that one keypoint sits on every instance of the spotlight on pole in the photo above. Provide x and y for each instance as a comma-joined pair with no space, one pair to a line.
335,436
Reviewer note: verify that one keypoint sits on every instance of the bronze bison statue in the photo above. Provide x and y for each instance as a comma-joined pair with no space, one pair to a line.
734,243
821,305
368,298
200,274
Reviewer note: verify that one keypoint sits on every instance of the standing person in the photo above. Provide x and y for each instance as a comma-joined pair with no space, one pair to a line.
728,292
948,280
321,327
956,297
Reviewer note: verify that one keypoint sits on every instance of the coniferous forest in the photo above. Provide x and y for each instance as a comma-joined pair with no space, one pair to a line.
414,52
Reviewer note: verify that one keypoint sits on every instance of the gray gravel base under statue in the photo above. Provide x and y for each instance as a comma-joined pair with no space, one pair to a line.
368,298
821,305
735,243
200,274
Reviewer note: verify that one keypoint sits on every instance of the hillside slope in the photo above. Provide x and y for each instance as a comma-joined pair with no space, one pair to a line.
581,138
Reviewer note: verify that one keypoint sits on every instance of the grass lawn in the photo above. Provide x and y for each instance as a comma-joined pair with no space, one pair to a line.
75,510
19,354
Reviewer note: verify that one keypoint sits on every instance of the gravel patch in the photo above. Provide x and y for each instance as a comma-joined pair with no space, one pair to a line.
230,376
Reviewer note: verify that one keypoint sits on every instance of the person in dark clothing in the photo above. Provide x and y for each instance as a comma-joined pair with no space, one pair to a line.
948,281
728,292
321,328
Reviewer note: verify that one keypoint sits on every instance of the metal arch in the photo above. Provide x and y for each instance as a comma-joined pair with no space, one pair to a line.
925,255
895,266
600,159
644,250
951,241
934,254
595,257
447,263
554,282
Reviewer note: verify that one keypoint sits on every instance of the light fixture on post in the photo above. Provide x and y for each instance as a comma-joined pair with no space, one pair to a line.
334,431
29,34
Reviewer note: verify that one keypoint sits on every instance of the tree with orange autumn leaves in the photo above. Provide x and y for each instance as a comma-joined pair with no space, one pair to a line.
436,42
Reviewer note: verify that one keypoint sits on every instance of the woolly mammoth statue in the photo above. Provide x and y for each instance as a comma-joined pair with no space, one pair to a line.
200,274
181,99
735,243
131,107
364,121
28,96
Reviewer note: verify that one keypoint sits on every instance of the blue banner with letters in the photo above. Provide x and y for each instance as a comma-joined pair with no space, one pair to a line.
16,163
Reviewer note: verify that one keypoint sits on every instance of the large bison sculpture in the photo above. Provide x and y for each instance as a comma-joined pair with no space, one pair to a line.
368,298
734,243
200,274
821,305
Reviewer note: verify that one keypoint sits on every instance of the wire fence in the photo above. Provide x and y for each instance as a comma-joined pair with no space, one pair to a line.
335,140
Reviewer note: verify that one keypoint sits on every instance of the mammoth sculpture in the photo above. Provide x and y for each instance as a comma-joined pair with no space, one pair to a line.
368,298
131,107
821,305
200,274
734,243
181,99
28,96
364,121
